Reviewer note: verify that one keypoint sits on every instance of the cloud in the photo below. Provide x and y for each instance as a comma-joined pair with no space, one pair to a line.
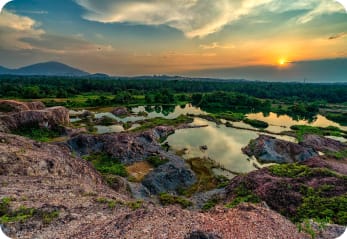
14,27
215,45
323,7
195,18
338,35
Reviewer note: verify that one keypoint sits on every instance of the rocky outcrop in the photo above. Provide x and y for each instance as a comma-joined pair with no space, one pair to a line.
21,114
47,177
134,147
268,149
7,106
120,111
284,190
322,144
128,147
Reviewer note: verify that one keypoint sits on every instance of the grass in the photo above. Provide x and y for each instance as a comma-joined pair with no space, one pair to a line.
168,199
338,155
107,121
314,206
106,164
211,203
37,133
23,214
242,194
156,161
302,130
295,170
256,123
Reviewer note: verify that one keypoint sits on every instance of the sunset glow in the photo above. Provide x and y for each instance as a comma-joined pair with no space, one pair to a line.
149,37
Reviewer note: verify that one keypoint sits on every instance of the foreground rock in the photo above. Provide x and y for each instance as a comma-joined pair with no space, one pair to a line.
15,115
244,222
134,147
268,149
47,177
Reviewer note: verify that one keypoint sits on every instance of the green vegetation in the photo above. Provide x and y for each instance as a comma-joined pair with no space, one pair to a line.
111,204
127,90
106,121
218,102
211,203
156,161
167,199
242,194
151,123
340,118
38,133
22,214
231,116
106,164
331,209
256,123
338,155
206,179
295,170
301,130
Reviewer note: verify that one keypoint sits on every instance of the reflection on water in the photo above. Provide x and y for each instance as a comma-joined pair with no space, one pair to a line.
167,112
224,144
283,122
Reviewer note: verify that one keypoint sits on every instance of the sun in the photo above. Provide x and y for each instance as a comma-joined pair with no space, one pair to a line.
282,61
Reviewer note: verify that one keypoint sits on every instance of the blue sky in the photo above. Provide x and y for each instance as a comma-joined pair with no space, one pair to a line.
135,37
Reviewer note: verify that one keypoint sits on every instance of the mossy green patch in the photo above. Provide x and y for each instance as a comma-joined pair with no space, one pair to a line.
106,164
37,133
206,179
242,194
156,161
22,214
167,199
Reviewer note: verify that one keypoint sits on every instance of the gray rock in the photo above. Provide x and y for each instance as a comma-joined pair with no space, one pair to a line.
268,149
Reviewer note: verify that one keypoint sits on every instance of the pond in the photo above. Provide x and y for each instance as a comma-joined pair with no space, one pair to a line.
223,144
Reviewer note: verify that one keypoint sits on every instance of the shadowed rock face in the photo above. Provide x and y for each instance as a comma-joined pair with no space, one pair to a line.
18,114
268,149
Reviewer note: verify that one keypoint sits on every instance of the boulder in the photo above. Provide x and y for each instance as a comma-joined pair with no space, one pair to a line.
120,111
268,149
169,177
322,144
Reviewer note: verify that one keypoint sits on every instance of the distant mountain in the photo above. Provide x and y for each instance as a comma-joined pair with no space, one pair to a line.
4,70
47,68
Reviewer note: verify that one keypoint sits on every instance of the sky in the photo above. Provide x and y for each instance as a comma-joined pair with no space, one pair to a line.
175,37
